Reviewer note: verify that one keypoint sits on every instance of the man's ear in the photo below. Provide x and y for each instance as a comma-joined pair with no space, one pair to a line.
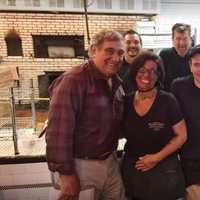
190,62
92,51
190,65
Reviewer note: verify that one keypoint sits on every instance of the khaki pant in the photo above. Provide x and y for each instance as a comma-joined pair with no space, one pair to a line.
104,175
193,192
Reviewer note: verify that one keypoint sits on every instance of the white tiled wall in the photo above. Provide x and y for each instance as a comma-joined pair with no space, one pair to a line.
29,194
23,174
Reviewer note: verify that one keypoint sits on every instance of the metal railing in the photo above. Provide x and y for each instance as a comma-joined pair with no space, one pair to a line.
20,117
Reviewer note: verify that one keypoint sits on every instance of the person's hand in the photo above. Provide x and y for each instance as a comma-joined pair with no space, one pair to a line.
147,162
69,187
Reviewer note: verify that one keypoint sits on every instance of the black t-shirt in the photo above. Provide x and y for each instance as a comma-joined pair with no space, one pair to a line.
188,96
124,74
151,132
175,65
124,69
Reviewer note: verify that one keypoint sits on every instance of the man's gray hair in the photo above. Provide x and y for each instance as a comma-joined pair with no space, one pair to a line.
104,35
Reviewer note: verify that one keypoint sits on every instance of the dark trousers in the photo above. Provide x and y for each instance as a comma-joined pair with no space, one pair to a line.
191,170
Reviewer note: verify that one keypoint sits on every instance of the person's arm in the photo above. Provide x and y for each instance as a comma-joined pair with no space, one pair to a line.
176,142
149,161
69,186
178,125
64,108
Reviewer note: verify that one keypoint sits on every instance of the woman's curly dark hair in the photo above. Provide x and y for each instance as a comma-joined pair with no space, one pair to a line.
139,62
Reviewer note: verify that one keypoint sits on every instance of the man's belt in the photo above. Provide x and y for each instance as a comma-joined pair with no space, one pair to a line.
103,156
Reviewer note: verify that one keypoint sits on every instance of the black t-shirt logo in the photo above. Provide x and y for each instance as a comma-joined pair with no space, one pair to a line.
156,126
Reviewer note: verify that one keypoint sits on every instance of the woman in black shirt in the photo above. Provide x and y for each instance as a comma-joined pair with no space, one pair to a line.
155,129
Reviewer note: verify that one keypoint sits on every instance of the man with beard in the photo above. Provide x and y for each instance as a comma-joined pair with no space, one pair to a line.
176,59
133,46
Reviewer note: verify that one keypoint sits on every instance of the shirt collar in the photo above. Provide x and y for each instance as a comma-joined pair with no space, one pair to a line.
125,62
186,55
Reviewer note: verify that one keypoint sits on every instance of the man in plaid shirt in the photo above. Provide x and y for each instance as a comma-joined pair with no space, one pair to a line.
86,106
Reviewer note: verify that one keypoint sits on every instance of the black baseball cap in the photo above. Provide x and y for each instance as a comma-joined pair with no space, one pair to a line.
195,50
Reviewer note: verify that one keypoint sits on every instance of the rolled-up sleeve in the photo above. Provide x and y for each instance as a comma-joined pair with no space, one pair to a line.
65,104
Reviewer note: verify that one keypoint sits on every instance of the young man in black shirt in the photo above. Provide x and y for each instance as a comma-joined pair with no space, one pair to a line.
187,91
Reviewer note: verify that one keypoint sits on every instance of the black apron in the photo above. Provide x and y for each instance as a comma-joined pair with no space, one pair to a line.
164,182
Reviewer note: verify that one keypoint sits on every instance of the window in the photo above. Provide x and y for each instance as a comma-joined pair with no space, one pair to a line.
104,4
11,2
150,4
2,2
8,2
58,46
56,3
14,44
127,4
34,3
78,3
98,6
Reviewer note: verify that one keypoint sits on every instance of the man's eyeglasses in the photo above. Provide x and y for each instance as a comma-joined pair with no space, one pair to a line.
151,72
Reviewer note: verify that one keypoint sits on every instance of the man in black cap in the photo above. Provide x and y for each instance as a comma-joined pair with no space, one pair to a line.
187,91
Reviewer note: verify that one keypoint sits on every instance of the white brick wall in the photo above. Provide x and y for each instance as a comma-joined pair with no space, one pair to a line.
27,24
